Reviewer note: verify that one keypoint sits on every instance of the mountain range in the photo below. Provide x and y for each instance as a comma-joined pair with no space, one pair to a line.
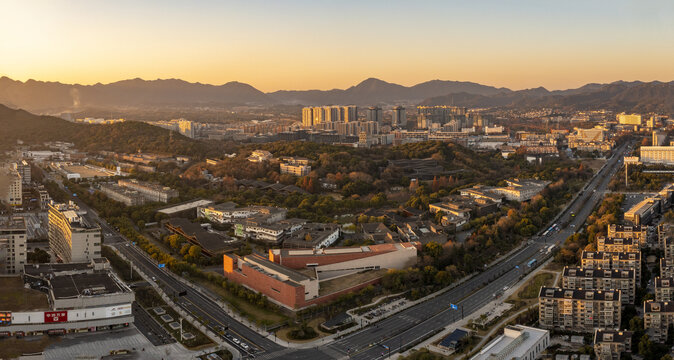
55,97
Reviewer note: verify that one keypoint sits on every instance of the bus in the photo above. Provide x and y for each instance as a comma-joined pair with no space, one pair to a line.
531,263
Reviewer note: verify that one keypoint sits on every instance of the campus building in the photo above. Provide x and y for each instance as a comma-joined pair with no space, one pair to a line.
297,279
657,155
579,310
151,192
521,190
228,212
126,196
71,237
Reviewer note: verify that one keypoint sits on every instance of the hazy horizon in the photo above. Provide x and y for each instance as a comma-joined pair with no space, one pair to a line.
302,45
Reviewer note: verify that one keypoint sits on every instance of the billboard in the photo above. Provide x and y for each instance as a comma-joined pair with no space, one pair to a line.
119,310
55,316
5,318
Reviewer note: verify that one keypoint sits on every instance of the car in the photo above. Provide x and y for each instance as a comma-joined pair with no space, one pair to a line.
505,288
154,278
236,341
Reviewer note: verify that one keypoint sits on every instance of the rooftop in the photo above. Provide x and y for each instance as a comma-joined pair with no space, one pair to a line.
597,273
513,344
76,285
212,242
171,210
611,336
576,294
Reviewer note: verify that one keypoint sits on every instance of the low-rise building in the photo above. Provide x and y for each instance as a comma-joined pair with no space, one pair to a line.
338,261
260,156
228,212
601,279
79,297
611,344
517,342
151,192
270,233
658,316
521,189
313,235
608,244
482,192
612,261
579,310
643,212
126,196
211,242
297,169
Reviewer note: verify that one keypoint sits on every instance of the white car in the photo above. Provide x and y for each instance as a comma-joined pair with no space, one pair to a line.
236,341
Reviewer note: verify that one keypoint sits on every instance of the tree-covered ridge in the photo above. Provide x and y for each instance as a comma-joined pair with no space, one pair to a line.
120,137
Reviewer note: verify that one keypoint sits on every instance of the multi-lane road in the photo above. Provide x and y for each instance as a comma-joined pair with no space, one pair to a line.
397,331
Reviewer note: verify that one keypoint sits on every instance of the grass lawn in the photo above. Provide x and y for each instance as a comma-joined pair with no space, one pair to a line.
314,323
258,315
13,348
531,289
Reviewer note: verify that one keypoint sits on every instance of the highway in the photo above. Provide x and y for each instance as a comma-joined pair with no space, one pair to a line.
398,331
409,326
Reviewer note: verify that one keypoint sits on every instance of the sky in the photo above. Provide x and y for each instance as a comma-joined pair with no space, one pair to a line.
319,44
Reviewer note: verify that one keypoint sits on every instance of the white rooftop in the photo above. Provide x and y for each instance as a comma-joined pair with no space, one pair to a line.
185,206
515,342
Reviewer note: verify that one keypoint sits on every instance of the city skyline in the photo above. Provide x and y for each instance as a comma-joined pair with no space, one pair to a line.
275,46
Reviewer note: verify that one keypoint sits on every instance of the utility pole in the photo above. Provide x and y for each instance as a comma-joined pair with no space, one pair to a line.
181,329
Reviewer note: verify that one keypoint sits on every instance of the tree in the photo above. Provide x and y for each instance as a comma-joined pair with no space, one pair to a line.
433,249
195,251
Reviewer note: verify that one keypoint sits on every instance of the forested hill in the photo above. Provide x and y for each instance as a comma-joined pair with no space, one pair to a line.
121,137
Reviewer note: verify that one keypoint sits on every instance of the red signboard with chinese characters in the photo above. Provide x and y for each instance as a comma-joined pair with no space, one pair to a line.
55,316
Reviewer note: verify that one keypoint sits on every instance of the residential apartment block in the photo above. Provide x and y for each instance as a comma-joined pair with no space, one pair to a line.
664,289
611,344
612,261
637,232
607,244
13,249
11,187
579,310
658,315
601,279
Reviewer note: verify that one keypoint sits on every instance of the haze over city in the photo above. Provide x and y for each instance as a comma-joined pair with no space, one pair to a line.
298,45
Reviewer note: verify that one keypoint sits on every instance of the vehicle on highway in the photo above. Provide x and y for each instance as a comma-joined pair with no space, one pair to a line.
236,341
154,278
